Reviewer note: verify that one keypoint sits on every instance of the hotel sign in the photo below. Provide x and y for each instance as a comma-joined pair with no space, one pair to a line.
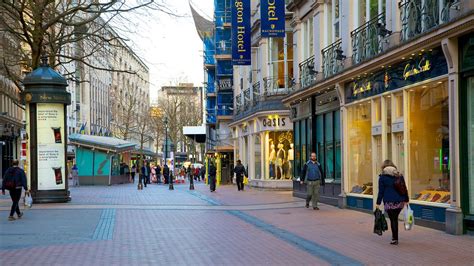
272,15
241,30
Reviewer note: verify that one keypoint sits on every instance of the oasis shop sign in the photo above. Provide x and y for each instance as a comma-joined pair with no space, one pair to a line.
422,66
275,123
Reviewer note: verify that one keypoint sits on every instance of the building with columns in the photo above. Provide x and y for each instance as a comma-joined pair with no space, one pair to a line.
261,127
383,79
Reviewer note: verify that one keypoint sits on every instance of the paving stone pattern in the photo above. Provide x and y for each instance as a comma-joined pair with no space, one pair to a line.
152,230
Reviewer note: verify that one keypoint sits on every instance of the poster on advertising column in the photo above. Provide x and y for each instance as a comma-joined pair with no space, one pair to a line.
272,15
241,30
50,134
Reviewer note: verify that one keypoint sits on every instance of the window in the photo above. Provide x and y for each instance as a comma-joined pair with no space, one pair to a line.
470,140
280,144
281,60
308,39
429,142
328,144
360,148
336,20
297,169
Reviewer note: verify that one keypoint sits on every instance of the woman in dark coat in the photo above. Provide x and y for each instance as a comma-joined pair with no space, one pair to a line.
393,200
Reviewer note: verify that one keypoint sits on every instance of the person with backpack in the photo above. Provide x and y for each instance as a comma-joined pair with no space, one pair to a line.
312,174
14,180
394,193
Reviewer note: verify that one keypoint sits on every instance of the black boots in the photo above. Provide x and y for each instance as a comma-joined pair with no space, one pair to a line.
308,199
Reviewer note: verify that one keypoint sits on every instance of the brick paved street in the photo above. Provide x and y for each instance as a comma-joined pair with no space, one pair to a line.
120,225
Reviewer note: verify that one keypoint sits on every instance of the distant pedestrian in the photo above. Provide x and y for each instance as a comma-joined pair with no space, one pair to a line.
75,175
158,173
393,192
312,174
240,173
133,172
202,173
146,171
212,177
166,174
196,174
14,180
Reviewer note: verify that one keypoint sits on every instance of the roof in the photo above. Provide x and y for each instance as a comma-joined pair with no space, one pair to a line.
204,26
198,133
102,143
44,75
146,151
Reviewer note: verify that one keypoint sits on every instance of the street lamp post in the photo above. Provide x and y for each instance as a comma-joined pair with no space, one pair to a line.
170,177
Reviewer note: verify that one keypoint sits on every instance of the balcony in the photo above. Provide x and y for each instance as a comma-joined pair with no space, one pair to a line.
238,104
368,39
210,88
333,59
307,73
263,98
420,16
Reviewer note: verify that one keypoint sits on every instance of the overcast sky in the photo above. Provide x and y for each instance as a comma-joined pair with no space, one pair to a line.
170,46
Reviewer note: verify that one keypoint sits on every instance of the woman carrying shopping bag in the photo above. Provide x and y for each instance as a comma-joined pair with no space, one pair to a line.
393,192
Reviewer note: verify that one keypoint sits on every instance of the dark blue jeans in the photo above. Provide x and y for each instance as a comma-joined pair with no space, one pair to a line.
15,194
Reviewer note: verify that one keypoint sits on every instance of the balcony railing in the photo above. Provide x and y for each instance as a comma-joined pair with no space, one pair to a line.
333,59
367,40
238,104
256,93
277,86
247,99
419,16
307,72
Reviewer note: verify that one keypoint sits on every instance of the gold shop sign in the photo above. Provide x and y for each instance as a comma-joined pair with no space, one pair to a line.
413,70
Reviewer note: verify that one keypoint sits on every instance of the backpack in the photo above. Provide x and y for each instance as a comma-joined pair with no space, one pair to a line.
9,179
400,185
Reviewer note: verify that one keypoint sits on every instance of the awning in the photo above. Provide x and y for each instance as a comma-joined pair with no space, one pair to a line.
146,152
110,144
197,133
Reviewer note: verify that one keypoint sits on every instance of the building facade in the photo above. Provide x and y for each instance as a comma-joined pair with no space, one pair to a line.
218,80
381,80
262,128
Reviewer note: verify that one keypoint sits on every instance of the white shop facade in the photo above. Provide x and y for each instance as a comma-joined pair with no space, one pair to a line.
264,144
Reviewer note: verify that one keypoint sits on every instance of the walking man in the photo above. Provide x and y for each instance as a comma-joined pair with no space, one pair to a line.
13,181
146,170
212,177
158,173
75,175
166,173
132,174
312,174
240,172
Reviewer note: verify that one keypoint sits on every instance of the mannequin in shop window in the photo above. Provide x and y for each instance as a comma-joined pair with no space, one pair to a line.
290,159
272,158
281,156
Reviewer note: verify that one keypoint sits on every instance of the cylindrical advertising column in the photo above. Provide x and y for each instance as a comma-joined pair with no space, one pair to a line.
46,98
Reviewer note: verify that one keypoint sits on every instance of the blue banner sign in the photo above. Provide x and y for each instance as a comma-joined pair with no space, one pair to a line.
241,30
272,15
420,67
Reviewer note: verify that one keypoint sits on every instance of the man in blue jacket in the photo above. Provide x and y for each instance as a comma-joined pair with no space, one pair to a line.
14,180
312,174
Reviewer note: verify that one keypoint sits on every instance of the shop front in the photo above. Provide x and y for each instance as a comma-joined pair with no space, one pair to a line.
400,112
317,128
466,52
264,144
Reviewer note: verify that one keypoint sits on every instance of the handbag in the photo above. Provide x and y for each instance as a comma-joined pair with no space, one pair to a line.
28,200
246,180
408,217
380,223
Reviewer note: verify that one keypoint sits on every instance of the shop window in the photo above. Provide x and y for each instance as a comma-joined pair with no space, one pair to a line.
429,143
377,110
328,144
297,171
258,157
398,105
279,164
360,148
337,145
470,140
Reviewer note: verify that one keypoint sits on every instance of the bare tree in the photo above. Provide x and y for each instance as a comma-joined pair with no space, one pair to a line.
48,26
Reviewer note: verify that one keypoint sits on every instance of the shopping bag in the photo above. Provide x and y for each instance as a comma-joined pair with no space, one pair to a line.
28,200
408,217
380,223
246,180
